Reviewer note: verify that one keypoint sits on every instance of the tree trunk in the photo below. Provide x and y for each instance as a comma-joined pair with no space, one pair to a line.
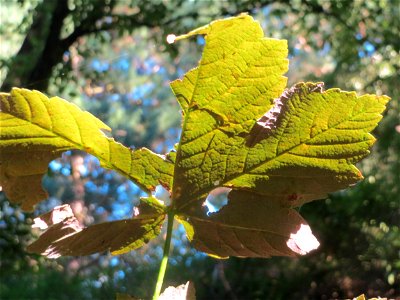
41,49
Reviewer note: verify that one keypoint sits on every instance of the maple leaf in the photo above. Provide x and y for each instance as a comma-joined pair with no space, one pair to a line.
36,130
274,148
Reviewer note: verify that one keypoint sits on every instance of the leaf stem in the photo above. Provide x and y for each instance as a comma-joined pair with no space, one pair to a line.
164,261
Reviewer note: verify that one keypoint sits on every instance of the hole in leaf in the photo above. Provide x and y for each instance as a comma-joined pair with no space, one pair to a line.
216,199
303,241
162,194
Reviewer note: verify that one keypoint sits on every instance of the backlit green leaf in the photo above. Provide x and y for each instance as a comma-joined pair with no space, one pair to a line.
311,144
243,131
36,129
238,77
274,148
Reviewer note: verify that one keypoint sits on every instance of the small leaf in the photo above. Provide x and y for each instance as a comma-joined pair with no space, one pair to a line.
250,225
36,130
65,237
182,292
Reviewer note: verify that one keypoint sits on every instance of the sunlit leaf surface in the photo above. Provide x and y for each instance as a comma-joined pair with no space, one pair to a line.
36,130
273,148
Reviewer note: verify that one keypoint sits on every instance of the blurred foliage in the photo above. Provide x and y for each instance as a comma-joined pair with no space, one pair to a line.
111,57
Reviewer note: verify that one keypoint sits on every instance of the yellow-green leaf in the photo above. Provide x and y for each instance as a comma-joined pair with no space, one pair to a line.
238,77
36,129
308,146
281,148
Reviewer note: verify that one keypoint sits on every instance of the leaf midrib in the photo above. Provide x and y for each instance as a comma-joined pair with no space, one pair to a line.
220,223
188,111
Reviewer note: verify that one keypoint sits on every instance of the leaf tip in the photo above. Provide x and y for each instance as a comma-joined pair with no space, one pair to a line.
206,29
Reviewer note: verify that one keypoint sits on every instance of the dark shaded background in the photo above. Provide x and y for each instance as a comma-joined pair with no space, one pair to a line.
111,57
